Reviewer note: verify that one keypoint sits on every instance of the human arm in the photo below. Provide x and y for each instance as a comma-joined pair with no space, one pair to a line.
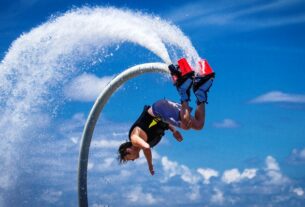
175,132
148,156
139,142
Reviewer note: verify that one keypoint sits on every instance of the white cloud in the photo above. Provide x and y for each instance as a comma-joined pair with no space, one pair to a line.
207,174
224,14
155,155
139,197
5,181
298,191
189,182
172,169
271,163
90,165
274,173
103,143
226,123
86,87
118,134
125,173
233,175
107,162
302,154
297,156
76,123
195,193
230,176
74,140
187,176
260,8
279,97
51,195
99,205
217,197
249,173
279,21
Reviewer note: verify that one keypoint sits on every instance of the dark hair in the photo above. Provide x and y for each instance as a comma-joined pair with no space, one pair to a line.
122,152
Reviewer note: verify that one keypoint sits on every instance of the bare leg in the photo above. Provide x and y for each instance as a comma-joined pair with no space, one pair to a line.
197,122
185,115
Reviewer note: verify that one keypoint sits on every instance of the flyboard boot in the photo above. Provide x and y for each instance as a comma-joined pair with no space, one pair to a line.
182,75
203,82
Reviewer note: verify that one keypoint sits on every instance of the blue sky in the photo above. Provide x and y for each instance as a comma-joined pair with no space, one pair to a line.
251,152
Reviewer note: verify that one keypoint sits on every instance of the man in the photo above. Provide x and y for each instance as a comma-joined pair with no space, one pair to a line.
149,128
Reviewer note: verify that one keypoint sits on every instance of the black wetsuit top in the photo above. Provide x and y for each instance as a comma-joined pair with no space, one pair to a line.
154,127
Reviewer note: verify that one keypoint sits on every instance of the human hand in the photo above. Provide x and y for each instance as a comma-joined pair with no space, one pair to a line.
178,136
151,169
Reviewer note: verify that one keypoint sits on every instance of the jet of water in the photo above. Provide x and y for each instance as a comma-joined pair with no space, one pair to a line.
43,58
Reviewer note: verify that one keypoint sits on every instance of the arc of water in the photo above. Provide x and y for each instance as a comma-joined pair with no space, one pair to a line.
94,115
